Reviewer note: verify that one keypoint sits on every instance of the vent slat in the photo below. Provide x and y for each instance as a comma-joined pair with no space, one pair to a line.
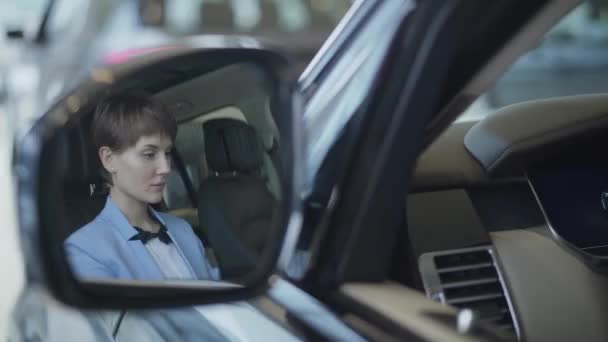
459,259
472,274
474,298
470,283
500,318
470,279
507,328
472,290
464,268
488,307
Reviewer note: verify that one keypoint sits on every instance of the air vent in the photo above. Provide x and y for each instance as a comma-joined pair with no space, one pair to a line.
468,278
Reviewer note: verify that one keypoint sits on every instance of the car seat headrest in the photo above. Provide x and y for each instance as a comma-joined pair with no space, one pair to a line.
232,146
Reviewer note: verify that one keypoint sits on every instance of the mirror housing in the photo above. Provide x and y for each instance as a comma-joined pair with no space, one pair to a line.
41,157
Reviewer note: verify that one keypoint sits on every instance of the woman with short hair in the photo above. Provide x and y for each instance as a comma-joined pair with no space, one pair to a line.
133,136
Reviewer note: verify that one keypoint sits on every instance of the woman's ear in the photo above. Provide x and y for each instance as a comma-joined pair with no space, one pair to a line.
107,159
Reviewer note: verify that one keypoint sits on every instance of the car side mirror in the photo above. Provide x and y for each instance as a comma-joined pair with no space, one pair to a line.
226,205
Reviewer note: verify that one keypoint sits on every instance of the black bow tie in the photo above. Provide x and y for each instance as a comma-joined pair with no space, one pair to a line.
146,236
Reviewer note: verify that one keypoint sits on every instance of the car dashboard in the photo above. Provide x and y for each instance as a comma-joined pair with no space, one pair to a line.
517,227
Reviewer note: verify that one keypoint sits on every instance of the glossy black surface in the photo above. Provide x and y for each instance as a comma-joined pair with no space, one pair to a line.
569,190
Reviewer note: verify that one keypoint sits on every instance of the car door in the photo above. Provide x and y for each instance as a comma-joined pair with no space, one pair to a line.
372,99
365,135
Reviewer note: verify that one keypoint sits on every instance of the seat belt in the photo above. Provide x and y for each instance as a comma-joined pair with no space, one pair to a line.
183,173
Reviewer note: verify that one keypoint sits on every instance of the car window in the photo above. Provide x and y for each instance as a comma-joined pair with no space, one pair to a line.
335,89
572,59
253,16
344,85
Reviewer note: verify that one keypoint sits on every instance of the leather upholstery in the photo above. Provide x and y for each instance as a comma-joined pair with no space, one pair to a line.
82,172
235,206
232,145
556,296
83,164
516,136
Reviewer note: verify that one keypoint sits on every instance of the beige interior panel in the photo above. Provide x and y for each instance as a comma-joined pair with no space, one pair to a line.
406,307
555,295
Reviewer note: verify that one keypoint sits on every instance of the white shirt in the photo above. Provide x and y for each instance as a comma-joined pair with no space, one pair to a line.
169,260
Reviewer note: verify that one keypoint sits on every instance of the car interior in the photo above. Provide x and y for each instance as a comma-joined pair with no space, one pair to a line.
225,175
507,216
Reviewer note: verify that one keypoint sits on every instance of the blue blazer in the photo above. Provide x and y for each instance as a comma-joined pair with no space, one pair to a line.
101,248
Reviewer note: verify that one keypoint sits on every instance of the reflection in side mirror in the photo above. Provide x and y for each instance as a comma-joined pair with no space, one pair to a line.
173,172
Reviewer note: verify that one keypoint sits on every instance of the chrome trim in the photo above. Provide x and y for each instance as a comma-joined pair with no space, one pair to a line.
311,312
174,283
292,235
296,218
430,277
464,268
435,290
591,247
430,273
505,290
345,84
334,43
579,252
475,298
482,281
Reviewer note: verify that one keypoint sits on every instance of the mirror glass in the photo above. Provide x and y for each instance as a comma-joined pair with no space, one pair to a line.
171,173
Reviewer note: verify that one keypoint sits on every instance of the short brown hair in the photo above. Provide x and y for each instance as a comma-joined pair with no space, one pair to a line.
121,119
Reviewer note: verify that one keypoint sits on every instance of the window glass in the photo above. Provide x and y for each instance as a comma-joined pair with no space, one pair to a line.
335,90
572,59
254,16
345,85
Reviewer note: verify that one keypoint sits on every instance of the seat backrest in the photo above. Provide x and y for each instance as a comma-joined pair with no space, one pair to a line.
232,146
235,206
83,193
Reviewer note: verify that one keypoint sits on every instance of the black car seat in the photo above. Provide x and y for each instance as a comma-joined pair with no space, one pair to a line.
83,191
235,206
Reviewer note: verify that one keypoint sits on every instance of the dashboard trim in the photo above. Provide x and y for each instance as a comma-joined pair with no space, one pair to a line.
435,290
595,262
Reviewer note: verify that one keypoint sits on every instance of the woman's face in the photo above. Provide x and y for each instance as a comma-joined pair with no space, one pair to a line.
140,171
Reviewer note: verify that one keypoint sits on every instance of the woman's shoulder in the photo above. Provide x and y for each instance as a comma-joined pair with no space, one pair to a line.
92,231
